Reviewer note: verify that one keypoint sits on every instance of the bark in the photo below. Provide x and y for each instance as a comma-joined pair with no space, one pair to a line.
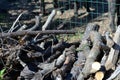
37,24
112,11
12,28
25,32
69,60
95,51
114,52
84,49
115,74
110,42
49,20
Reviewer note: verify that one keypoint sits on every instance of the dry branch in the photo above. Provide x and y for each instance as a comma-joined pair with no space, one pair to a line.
49,20
25,32
69,60
37,24
12,28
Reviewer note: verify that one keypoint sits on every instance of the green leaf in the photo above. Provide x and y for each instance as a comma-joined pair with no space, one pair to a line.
2,71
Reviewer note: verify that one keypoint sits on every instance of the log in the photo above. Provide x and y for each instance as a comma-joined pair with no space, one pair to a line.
69,60
99,75
95,67
114,52
25,32
115,73
84,50
95,51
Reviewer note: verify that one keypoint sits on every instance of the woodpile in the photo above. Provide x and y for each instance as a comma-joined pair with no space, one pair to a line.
34,54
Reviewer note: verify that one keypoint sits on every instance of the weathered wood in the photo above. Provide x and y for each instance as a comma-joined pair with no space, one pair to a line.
25,32
49,20
84,50
113,8
69,60
114,52
110,42
37,24
12,28
115,73
95,51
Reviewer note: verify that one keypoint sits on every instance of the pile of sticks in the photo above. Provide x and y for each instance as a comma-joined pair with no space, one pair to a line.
37,54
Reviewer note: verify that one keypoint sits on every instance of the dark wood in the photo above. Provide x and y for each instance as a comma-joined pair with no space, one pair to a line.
69,60
116,74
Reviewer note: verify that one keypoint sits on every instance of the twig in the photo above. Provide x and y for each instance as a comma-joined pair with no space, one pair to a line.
12,28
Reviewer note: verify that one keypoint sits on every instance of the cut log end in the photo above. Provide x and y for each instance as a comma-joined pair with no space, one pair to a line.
99,75
95,67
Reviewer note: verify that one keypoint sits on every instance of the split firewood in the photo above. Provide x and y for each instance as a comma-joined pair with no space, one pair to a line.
115,74
114,52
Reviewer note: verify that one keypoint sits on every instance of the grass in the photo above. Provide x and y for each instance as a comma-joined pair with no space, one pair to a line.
72,37
77,37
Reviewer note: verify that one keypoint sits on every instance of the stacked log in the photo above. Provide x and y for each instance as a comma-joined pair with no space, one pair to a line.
32,54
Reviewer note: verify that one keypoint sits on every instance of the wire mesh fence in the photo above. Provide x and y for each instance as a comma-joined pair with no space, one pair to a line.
87,11
74,13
